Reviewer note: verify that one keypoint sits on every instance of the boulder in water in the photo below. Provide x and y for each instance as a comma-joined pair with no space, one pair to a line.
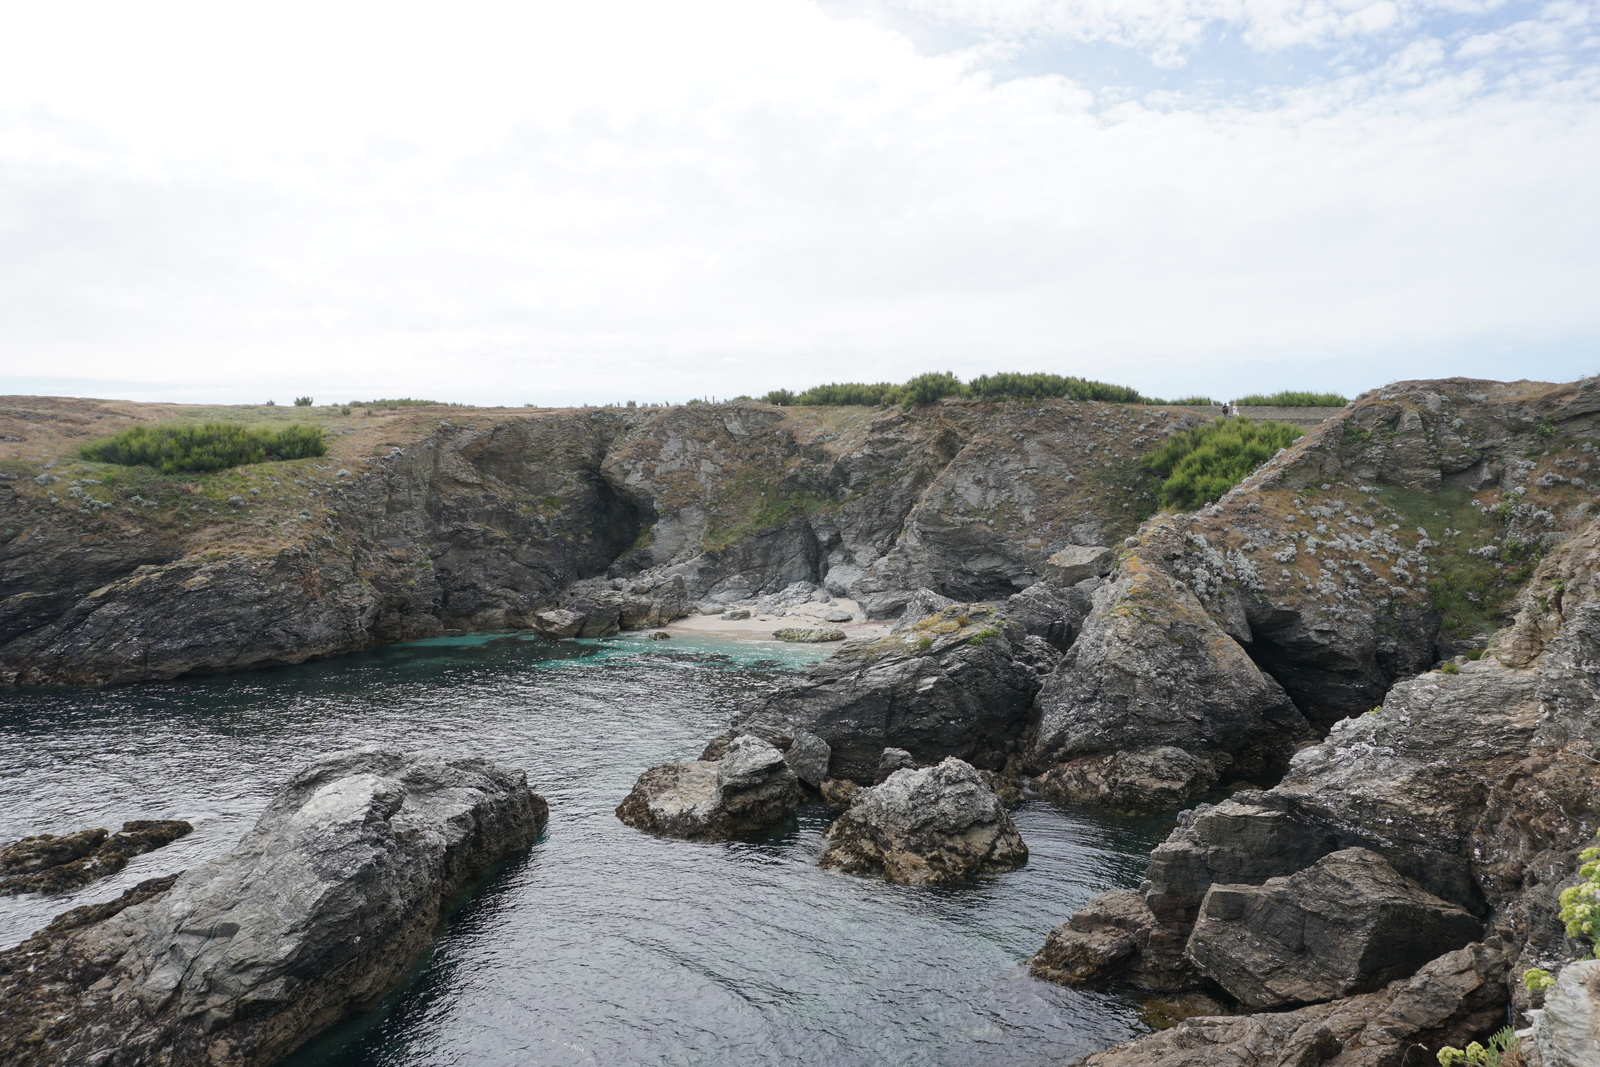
751,787
934,826
318,911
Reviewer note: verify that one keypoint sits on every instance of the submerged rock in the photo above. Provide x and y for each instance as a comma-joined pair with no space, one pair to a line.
318,911
935,826
751,787
50,864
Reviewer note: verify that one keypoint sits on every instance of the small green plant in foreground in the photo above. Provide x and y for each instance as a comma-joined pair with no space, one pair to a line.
209,446
1449,668
1580,904
1292,399
1491,1055
1199,465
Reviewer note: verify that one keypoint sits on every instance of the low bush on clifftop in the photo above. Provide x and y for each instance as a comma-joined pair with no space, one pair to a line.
209,446
927,388
1198,466
1291,399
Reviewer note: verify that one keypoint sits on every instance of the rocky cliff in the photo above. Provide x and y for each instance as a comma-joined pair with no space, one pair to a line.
1469,793
423,521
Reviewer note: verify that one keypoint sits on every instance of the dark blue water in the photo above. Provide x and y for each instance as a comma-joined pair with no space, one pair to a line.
601,945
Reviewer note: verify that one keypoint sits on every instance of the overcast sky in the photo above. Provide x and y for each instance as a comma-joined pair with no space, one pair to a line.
601,201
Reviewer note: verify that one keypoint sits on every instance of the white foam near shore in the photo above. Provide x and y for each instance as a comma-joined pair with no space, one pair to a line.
760,627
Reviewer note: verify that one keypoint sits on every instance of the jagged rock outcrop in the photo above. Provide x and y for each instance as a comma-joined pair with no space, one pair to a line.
1478,787
46,863
1347,924
750,787
1451,1001
318,911
1153,703
959,683
935,826
1324,577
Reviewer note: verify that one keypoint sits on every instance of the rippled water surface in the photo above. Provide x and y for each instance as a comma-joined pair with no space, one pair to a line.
601,945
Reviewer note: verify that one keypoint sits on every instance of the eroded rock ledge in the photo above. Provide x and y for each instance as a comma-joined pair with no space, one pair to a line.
317,912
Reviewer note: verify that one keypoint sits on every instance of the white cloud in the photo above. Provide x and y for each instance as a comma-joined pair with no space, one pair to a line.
616,199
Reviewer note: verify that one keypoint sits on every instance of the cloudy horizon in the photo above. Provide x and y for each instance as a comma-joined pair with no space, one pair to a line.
533,204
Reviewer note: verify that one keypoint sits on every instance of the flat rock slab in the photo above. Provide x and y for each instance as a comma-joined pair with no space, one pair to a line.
1076,562
319,911
46,863
1347,924
933,826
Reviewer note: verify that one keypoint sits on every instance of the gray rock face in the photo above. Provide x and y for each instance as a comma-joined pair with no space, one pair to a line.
1075,563
1053,612
934,826
1152,673
751,787
318,911
558,622
1347,924
950,688
1453,1000
1566,1032
813,637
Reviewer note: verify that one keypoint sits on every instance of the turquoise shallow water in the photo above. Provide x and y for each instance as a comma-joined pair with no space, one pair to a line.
601,945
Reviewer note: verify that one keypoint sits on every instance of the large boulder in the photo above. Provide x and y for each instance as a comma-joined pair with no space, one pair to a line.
750,788
1076,562
1347,924
958,683
319,910
1456,998
1154,703
933,826
1052,611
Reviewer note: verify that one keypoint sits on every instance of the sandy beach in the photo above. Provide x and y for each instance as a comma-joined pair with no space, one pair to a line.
803,617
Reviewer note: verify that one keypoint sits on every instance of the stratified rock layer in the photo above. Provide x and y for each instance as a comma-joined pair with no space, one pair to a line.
318,911
934,826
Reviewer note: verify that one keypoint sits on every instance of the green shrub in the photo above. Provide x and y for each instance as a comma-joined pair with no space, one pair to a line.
1051,387
1545,429
1291,399
1580,904
1198,466
927,388
205,447
1449,668
1191,401
302,401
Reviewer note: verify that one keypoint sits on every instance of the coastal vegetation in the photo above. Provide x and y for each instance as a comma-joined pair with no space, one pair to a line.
927,388
209,446
1291,399
1007,385
1197,466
